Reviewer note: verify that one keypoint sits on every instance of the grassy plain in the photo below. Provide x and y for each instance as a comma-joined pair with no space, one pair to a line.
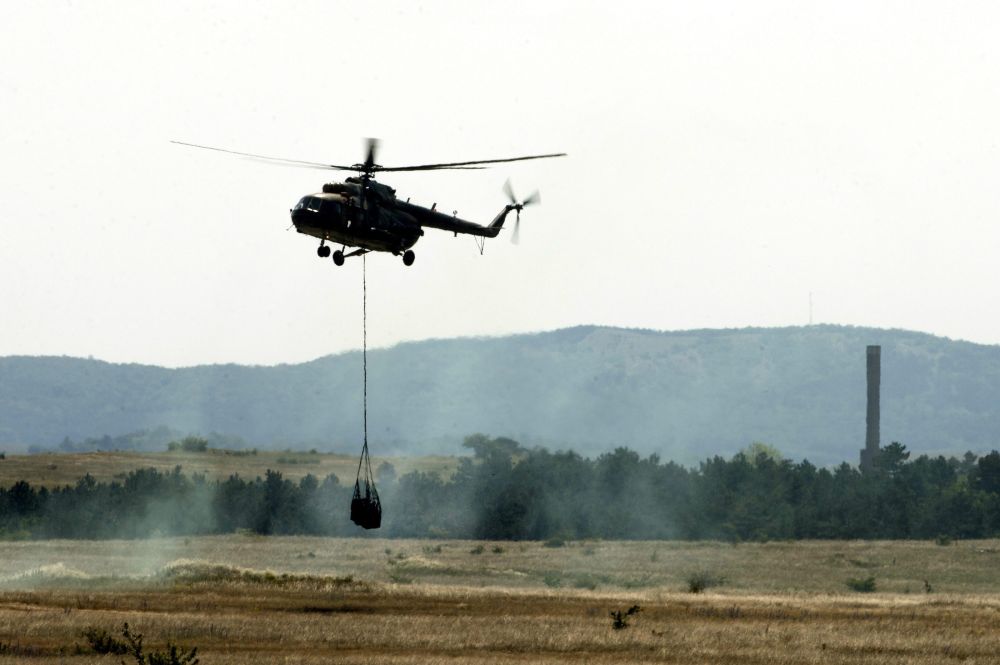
248,599
58,469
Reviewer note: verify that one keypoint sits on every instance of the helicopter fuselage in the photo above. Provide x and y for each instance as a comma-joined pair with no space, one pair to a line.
365,214
339,220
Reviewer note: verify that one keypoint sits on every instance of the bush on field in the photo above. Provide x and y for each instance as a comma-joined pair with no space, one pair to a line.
103,642
861,584
703,579
619,618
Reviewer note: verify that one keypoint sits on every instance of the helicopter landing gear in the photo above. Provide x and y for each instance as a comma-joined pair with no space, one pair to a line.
338,257
408,257
322,251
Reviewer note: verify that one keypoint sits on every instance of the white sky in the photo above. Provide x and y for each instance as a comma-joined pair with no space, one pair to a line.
725,160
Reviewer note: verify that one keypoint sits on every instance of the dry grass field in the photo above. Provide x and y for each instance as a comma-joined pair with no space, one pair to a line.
246,599
57,469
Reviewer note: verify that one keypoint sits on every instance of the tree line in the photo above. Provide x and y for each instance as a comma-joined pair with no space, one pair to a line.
505,492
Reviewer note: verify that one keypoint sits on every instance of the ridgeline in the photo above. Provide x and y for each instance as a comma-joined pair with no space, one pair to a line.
682,395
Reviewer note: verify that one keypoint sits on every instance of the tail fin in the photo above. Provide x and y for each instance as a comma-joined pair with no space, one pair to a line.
497,223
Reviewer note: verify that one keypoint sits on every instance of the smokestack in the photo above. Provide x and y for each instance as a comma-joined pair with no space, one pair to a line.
872,418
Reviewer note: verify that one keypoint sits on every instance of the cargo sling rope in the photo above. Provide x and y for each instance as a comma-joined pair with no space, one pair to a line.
366,509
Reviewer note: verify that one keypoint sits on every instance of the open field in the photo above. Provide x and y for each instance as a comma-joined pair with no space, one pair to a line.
246,599
57,469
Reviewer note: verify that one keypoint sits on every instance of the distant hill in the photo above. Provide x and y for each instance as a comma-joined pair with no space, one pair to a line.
684,395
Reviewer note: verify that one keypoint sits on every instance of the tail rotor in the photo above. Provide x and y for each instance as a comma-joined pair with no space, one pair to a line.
516,205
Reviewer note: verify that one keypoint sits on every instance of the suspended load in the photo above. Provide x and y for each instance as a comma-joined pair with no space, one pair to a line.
366,509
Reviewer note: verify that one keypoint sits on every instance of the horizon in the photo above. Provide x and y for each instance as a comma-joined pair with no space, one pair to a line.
526,333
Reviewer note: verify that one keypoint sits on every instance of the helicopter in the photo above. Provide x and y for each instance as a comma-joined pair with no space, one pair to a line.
365,215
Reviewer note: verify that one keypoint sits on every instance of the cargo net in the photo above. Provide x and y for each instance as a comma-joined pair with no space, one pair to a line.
366,509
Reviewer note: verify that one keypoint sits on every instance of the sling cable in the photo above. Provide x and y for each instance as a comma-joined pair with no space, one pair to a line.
366,508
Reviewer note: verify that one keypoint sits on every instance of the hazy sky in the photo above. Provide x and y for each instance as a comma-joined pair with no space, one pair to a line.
725,160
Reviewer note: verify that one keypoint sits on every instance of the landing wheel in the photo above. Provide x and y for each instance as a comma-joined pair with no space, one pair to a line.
338,257
408,257
323,251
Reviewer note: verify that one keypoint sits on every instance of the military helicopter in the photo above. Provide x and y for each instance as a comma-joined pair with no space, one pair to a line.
363,214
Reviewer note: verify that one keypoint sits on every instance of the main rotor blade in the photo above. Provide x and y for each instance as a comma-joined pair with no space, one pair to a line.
535,197
276,160
459,165
369,165
370,157
426,167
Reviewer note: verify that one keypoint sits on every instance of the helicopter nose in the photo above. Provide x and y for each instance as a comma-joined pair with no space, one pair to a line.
298,213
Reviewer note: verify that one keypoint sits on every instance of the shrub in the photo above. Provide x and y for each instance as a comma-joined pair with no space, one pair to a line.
103,643
700,580
554,542
497,549
17,649
943,539
862,585
552,580
478,549
619,618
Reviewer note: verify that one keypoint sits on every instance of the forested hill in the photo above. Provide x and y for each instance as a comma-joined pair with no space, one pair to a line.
684,395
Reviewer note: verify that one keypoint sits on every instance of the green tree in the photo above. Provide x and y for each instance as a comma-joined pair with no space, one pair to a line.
484,446
891,458
760,450
986,475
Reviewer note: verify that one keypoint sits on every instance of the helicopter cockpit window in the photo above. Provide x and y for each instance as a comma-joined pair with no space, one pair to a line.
313,203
